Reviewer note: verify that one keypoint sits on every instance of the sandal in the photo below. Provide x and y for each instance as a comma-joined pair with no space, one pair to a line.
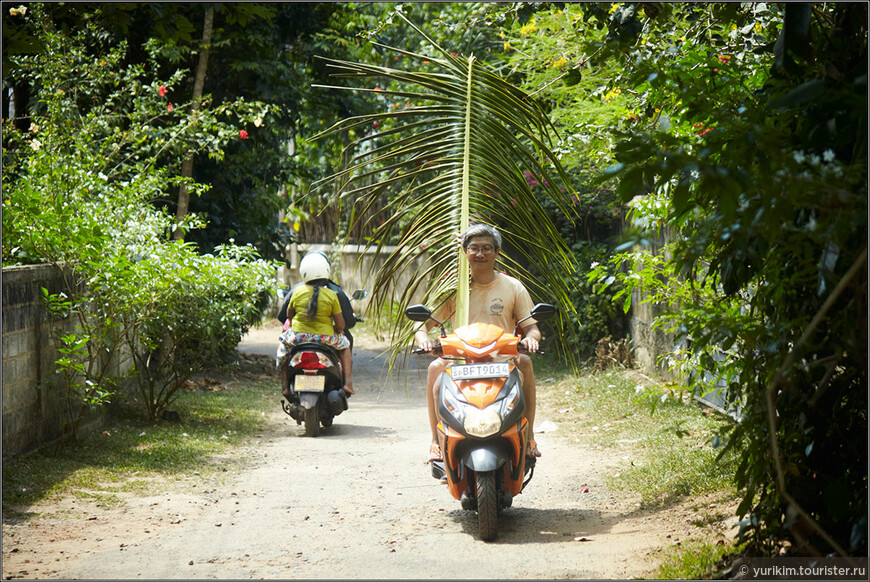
532,449
434,452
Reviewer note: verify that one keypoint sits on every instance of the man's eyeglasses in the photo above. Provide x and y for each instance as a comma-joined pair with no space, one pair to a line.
488,249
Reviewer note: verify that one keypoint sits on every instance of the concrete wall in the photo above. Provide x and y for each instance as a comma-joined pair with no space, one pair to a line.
35,410
354,272
648,344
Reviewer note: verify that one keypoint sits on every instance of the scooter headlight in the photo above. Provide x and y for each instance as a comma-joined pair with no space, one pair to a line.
512,396
452,404
483,423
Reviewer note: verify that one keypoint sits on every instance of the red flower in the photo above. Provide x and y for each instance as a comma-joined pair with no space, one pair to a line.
162,90
169,108
243,134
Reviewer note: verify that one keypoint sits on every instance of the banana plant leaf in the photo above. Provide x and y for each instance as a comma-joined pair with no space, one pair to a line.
464,149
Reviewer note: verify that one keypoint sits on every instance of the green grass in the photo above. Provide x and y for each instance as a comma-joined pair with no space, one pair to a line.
671,442
134,456
694,561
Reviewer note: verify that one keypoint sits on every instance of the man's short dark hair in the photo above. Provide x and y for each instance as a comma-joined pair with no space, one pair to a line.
481,230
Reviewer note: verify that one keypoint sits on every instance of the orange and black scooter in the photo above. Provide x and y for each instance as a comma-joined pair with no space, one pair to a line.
483,432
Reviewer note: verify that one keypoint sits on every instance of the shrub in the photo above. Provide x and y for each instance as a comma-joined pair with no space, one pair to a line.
77,192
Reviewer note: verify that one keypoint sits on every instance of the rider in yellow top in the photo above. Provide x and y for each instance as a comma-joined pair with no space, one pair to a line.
314,314
322,322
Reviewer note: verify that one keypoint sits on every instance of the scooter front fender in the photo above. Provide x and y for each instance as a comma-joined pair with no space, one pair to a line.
308,399
486,457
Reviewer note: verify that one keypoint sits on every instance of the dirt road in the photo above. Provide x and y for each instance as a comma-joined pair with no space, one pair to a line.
356,502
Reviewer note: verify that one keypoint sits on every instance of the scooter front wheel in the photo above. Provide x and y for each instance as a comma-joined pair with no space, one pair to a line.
487,505
312,421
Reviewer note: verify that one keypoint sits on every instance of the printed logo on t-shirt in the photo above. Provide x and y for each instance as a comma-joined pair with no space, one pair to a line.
497,307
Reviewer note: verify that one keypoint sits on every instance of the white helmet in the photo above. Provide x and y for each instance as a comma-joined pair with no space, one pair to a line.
314,265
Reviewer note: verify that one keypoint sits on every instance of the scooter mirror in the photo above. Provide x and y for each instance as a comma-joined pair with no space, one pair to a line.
418,312
359,295
540,312
543,311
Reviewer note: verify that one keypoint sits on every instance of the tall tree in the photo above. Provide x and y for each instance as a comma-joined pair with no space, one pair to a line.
198,82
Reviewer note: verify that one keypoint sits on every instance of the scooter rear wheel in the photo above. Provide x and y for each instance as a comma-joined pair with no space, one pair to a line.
487,505
312,421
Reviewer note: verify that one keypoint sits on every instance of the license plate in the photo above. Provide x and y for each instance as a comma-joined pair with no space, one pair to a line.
304,383
485,370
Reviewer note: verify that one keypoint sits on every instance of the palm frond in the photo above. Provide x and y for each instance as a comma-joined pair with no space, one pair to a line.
461,152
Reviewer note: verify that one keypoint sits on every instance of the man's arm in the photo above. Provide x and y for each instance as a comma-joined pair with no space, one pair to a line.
344,301
531,333
531,337
421,337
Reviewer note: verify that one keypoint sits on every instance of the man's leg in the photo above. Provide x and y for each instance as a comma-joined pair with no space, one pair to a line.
346,361
437,366
524,363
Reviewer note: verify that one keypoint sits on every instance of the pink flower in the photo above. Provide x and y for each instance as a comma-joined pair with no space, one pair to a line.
162,90
169,108
243,134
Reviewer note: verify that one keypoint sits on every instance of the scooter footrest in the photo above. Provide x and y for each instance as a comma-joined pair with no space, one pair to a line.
438,469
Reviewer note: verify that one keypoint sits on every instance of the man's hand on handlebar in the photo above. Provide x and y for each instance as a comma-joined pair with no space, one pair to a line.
529,345
428,346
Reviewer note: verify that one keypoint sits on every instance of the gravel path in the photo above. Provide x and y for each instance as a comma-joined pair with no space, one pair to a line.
355,502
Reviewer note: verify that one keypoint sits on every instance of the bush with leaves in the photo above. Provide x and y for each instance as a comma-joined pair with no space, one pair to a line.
77,190
752,129
598,315
193,310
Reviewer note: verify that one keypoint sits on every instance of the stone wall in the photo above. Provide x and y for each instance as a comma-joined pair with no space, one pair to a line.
648,344
354,272
35,408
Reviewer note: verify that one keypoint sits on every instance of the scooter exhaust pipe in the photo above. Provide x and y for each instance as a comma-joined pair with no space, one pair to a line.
337,401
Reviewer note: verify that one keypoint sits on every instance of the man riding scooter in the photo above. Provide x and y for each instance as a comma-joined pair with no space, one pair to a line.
495,298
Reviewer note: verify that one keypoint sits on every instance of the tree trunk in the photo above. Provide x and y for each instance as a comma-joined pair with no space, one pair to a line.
198,82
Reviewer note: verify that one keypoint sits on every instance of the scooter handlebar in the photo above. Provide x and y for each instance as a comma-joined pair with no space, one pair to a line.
436,351
521,348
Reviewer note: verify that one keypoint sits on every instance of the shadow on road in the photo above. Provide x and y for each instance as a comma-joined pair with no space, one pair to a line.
523,525
343,431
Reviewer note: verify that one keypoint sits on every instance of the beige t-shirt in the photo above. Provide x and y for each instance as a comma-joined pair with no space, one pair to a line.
503,302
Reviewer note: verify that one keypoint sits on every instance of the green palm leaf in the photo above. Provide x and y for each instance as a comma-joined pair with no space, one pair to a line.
460,154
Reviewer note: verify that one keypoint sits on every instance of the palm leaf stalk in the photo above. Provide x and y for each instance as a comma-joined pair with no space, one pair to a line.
460,154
